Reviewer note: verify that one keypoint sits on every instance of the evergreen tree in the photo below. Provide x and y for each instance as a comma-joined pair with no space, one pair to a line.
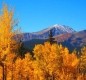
51,39
22,49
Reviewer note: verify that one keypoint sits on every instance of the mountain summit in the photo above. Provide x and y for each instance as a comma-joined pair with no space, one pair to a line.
58,28
44,34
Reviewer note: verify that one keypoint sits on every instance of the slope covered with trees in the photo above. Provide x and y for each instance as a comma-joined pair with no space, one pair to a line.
48,62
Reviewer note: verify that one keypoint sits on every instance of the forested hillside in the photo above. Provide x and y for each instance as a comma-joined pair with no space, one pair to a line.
50,61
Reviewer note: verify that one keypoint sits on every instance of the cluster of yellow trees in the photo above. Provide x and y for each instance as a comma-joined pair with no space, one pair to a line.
49,62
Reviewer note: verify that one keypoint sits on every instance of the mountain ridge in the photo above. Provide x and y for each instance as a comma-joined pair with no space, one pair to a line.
44,34
63,35
72,41
57,26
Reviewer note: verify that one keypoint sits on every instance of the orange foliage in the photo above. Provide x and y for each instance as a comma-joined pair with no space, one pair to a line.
50,61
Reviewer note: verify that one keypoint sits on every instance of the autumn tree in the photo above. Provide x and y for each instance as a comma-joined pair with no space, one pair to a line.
70,65
82,63
48,60
22,69
7,43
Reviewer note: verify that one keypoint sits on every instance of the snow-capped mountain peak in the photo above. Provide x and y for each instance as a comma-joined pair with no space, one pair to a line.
57,27
64,28
56,30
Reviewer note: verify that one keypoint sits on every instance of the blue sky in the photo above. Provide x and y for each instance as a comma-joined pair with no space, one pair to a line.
35,15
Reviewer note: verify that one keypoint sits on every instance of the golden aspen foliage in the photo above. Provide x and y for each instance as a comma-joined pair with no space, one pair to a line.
48,58
28,67
9,64
8,45
18,69
55,62
48,62
6,31
23,68
82,63
70,64
70,59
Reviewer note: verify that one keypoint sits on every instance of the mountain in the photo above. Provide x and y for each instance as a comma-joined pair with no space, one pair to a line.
73,41
62,34
44,34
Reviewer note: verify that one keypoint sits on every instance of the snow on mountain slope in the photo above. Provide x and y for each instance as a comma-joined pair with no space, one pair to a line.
44,34
58,28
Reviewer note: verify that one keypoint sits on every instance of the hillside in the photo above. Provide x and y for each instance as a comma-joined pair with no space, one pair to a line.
44,34
73,41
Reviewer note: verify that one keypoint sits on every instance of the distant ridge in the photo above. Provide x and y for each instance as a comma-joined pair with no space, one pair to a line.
62,34
73,41
44,34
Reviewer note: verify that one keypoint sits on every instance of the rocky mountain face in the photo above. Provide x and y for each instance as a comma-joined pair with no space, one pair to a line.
73,41
62,34
44,34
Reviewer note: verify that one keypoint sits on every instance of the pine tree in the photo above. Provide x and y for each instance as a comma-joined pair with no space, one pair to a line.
21,50
51,39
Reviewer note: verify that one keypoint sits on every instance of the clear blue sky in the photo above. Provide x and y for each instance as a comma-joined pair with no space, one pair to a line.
35,15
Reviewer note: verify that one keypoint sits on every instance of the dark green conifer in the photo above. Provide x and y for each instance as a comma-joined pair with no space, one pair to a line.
51,38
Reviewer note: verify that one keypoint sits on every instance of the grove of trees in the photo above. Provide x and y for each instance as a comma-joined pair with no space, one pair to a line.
49,62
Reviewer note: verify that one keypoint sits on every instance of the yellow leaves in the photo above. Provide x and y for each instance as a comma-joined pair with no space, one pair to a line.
75,62
49,61
47,58
6,21
7,44
6,27
7,17
70,60
28,56
10,57
82,62
26,66
37,50
66,51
